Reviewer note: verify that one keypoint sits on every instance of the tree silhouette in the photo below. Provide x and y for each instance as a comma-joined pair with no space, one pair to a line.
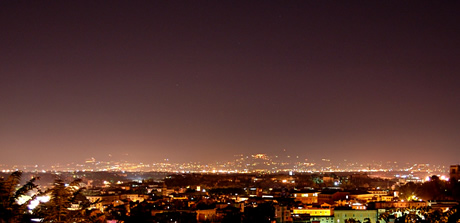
10,192
263,213
67,204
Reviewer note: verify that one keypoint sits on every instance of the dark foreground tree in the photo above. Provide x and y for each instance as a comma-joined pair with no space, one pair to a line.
67,204
263,213
10,192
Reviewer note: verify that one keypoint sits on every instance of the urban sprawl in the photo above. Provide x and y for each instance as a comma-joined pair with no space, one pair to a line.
253,188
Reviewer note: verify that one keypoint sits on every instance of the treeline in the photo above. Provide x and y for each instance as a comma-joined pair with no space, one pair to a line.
66,202
435,189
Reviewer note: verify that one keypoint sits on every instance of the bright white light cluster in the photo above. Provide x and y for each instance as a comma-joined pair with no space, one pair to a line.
40,199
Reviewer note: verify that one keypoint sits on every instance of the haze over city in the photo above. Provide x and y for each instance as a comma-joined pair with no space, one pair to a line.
206,80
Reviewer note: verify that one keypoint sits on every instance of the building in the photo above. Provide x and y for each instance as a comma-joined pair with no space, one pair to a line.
134,197
325,214
100,202
397,204
362,196
331,196
306,197
382,195
314,211
282,214
454,172
206,215
360,215
442,205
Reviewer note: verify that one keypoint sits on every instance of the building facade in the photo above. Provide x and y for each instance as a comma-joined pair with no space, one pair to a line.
454,172
360,215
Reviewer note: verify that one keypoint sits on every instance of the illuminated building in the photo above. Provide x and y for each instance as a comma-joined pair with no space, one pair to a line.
362,196
331,196
306,197
397,204
360,215
314,211
325,214
134,197
102,201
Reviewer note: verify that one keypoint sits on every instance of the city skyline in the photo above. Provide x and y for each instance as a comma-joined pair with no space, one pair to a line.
201,81
244,164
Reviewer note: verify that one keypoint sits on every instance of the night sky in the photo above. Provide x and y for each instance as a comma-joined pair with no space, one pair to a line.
206,80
